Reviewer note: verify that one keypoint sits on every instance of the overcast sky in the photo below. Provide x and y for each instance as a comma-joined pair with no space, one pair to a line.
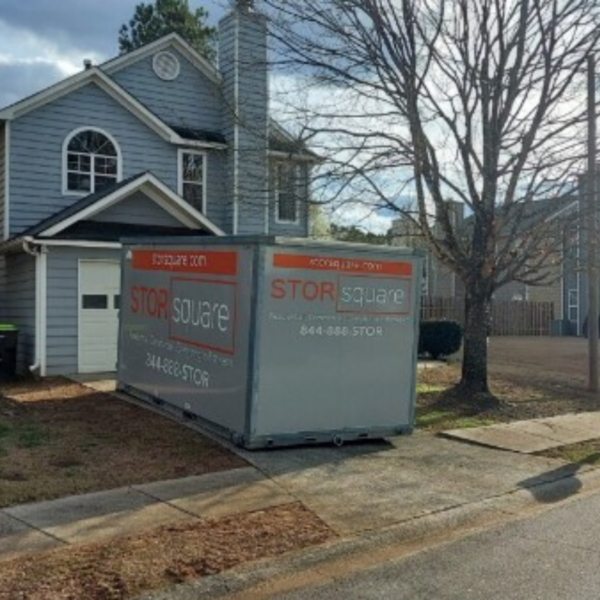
42,41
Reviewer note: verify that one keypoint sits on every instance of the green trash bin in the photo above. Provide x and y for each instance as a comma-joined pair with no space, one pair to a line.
9,338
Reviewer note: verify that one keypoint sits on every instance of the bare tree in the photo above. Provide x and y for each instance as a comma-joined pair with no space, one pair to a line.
476,100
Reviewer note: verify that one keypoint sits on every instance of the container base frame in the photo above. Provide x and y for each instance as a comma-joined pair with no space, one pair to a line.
337,437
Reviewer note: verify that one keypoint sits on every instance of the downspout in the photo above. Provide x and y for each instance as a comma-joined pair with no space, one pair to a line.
39,252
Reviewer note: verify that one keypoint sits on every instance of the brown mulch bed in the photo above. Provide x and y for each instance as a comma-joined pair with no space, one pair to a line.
162,557
59,438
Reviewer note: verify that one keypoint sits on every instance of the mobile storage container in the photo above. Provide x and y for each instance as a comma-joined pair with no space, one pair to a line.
272,341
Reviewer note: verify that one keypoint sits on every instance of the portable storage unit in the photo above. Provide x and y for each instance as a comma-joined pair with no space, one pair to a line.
273,341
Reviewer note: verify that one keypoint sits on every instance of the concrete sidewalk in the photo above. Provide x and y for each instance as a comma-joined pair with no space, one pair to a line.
31,528
362,487
355,489
535,435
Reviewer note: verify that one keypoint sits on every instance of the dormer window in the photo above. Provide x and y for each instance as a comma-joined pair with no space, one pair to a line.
92,161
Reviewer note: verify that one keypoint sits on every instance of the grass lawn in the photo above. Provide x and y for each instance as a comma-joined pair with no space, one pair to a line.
59,438
583,453
525,393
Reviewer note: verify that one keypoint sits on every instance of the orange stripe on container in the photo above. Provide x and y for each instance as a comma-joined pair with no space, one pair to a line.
339,264
185,261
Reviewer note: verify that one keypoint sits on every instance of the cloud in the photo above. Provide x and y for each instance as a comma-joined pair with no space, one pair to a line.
91,24
26,77
70,25
361,216
29,62
43,41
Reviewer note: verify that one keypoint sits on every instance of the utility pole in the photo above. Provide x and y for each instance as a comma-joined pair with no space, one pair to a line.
592,229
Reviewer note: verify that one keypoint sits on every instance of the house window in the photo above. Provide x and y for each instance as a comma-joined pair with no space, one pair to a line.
573,304
286,192
192,174
92,161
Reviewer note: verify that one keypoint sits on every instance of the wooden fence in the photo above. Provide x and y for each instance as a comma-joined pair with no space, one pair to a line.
508,318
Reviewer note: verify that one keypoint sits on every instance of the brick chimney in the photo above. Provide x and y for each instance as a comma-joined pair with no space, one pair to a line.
243,67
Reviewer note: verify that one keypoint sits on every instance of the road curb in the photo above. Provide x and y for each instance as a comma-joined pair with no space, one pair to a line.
314,565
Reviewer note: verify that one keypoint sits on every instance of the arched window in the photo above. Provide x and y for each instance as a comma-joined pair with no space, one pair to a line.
92,161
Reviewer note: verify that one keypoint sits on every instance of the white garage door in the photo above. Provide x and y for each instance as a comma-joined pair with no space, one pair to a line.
99,300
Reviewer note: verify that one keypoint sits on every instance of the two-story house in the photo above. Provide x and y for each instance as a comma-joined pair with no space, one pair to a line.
562,278
158,141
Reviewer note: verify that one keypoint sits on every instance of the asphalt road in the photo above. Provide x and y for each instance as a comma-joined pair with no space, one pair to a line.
554,555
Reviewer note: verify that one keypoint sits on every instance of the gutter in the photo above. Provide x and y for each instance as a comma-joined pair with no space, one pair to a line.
40,254
309,158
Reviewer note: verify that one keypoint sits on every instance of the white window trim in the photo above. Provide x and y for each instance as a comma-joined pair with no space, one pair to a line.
65,146
180,153
278,220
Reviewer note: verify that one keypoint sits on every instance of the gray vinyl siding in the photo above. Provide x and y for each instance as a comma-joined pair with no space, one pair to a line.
138,209
227,70
216,198
36,163
2,176
62,342
247,76
17,286
191,100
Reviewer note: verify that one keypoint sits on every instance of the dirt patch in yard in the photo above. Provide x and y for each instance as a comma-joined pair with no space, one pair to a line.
162,557
59,438
533,377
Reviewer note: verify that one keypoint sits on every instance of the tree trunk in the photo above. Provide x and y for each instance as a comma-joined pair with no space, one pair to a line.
477,324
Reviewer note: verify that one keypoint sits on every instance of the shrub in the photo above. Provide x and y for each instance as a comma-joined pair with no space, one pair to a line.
439,338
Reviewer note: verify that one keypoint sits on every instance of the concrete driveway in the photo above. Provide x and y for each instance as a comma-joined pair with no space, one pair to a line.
364,486
356,488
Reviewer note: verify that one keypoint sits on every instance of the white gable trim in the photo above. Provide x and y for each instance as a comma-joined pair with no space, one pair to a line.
105,83
75,243
139,110
174,40
184,207
155,190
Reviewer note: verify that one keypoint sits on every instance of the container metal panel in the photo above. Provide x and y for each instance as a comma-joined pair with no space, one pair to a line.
277,341
337,342
184,335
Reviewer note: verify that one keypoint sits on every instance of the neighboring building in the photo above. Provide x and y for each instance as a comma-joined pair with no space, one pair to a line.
565,273
155,142
438,280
